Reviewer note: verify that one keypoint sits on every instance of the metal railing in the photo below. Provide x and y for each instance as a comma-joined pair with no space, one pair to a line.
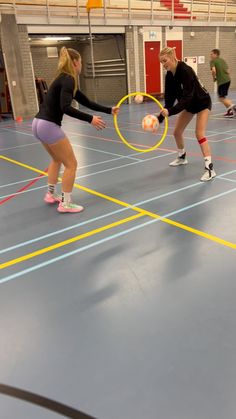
123,12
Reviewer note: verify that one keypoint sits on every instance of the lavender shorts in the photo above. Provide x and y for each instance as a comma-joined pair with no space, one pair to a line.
47,132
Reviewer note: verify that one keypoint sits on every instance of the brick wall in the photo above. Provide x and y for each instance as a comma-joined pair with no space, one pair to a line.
44,67
109,90
200,45
203,42
227,46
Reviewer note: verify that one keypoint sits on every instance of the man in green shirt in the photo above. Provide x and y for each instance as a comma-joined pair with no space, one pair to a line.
220,74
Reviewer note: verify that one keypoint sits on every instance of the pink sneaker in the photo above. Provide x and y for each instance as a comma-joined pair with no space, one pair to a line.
62,207
51,198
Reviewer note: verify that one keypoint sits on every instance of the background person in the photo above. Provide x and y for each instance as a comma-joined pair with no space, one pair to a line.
220,74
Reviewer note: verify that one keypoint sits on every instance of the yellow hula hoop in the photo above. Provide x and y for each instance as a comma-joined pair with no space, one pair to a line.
121,136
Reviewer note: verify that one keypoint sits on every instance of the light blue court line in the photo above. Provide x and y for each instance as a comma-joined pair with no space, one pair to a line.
104,152
87,166
81,134
63,230
44,186
226,173
20,181
137,204
186,129
102,241
225,178
42,177
124,165
99,172
18,132
95,173
167,136
65,255
111,168
19,146
196,204
24,192
98,218
224,139
213,133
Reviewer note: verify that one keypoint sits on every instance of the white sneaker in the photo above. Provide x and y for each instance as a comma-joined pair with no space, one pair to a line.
179,161
70,207
231,111
208,174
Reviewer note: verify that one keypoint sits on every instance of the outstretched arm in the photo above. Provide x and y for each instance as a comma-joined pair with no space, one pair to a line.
85,101
66,99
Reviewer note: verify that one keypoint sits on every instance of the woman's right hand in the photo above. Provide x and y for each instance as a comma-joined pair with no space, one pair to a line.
98,122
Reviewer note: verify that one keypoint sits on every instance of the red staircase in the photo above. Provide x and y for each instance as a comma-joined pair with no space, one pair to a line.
182,12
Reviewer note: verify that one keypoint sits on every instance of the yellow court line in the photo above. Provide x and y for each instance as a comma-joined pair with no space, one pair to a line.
137,209
68,241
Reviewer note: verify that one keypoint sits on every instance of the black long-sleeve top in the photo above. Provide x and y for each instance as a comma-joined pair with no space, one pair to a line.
185,87
58,100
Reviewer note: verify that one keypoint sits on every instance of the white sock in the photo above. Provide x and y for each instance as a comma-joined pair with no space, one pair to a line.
181,151
51,188
207,160
66,197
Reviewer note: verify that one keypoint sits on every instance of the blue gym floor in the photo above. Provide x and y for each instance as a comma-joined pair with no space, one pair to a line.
128,309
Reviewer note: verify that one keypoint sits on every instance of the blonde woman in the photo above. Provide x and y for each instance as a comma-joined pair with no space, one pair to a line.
46,127
183,86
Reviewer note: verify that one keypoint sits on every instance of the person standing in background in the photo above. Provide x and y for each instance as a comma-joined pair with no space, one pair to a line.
220,74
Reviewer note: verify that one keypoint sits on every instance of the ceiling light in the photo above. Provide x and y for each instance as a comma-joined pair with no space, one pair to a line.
57,38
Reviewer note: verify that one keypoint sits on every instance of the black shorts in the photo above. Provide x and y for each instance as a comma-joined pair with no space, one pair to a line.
200,105
223,89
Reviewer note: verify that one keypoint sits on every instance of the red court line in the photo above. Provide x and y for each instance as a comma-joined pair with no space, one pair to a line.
226,159
24,188
189,153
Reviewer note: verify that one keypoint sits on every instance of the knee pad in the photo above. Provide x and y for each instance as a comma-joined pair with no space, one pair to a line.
203,140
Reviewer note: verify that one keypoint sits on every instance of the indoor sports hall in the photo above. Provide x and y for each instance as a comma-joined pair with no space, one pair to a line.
126,310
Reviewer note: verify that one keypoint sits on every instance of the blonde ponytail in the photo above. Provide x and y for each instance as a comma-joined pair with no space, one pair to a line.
65,65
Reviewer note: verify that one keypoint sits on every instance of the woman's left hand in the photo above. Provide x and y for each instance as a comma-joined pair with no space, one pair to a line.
115,110
164,112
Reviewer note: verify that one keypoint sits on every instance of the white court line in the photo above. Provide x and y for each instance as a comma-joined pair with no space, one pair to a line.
104,240
19,132
125,165
113,129
91,174
104,152
89,165
223,139
140,203
18,146
42,177
222,177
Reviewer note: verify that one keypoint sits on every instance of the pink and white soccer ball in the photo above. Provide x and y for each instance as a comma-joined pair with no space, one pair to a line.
138,99
150,123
